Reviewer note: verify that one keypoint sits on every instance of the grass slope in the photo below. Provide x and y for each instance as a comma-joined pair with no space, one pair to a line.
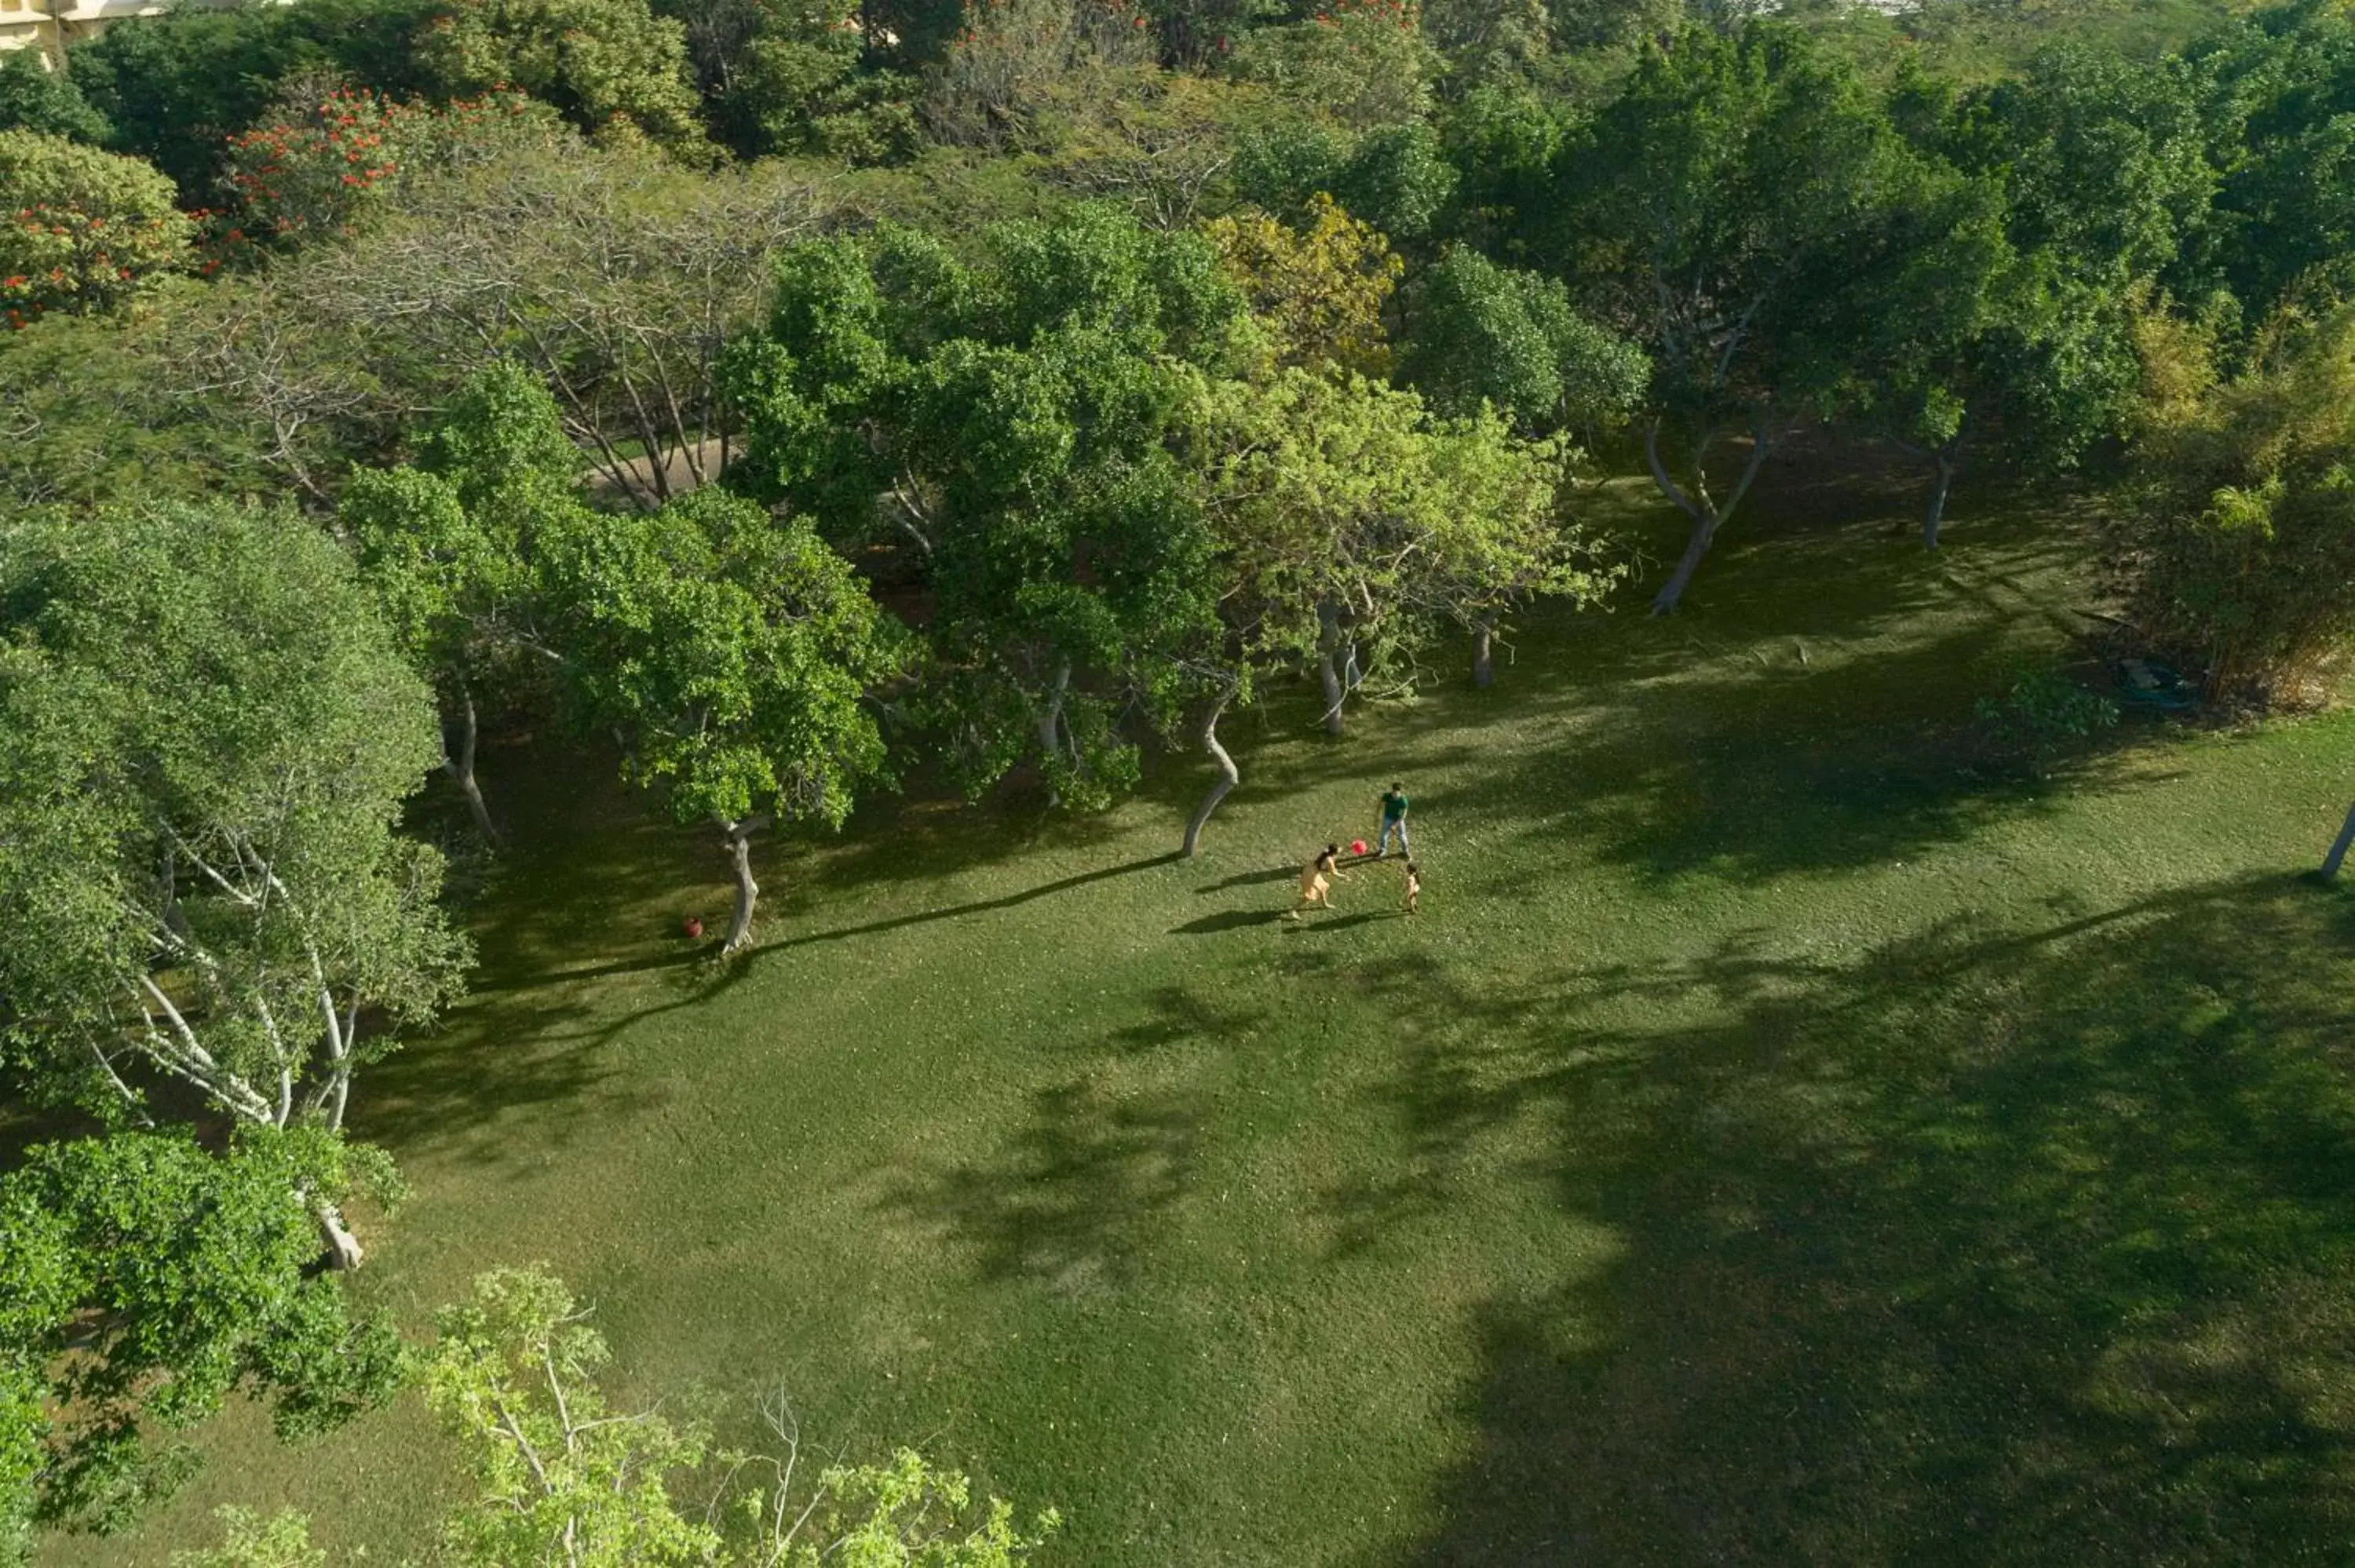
1775,1142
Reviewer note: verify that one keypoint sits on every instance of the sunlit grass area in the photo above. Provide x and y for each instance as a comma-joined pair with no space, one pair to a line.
1792,1131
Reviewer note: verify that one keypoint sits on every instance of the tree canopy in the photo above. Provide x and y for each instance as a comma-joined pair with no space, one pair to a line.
145,1280
208,738
1006,427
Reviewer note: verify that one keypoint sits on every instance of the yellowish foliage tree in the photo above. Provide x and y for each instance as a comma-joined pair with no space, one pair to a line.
1318,291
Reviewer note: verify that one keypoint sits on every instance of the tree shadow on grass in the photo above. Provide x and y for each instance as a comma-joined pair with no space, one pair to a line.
1995,1247
1010,901
1328,923
1794,767
1072,1204
1179,1016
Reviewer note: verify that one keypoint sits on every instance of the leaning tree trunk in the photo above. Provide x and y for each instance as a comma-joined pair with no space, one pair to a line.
1483,668
459,763
1936,511
1328,669
343,1250
2346,841
739,837
1707,515
1229,777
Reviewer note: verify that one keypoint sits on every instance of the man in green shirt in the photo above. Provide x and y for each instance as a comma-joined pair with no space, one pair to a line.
1393,822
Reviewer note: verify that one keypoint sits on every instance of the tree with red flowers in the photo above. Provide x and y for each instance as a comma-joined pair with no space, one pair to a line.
80,230
315,169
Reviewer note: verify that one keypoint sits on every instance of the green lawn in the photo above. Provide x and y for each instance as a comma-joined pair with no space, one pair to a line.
1782,1139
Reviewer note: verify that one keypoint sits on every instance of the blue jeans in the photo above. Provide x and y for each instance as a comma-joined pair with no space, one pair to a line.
1393,825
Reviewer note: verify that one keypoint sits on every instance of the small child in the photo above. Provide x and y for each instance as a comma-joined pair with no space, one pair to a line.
1413,886
1316,881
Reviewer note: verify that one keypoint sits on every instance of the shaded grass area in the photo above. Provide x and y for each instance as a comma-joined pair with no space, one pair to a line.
1789,1134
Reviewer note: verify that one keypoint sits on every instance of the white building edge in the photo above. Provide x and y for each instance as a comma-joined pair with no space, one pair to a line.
54,27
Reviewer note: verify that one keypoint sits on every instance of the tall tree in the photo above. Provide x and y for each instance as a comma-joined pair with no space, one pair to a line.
616,275
1719,205
1346,516
454,549
1484,334
1315,291
206,739
144,1280
1006,425
731,653
604,64
2106,164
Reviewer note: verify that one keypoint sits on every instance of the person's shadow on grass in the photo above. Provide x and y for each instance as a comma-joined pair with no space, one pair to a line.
1248,879
1338,922
1230,921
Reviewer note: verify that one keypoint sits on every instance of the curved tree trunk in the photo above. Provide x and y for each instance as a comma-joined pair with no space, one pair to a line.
1936,512
1484,669
2338,849
1707,515
1229,777
459,764
739,837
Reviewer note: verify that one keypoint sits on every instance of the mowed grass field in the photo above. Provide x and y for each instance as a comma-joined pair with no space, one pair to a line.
1785,1137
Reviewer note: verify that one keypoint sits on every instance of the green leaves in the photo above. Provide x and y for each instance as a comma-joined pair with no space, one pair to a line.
2243,552
1510,338
562,1477
176,1275
206,737
34,96
1002,428
81,231
731,650
452,548
606,64
1342,502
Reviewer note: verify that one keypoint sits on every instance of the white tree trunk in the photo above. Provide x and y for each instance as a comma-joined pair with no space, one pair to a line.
343,1250
1484,669
1229,777
1936,512
747,892
459,765
1050,725
1329,666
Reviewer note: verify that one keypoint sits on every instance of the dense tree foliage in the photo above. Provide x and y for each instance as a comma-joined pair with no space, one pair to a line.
457,547
208,738
2249,550
731,653
35,98
1007,426
144,1280
81,230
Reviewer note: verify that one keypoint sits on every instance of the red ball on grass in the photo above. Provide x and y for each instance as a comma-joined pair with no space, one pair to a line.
694,928
1357,846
